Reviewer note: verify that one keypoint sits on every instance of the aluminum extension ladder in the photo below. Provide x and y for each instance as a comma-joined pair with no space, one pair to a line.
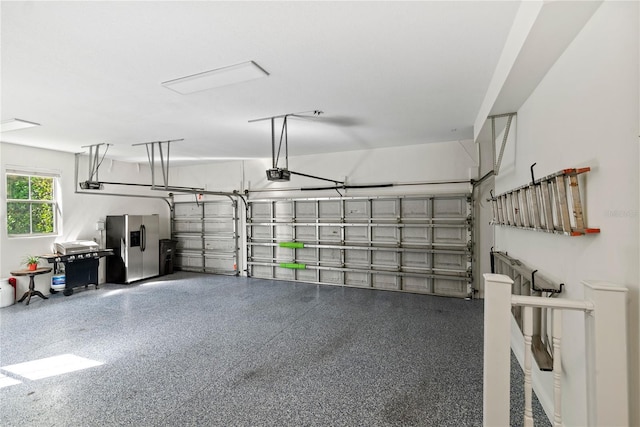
550,204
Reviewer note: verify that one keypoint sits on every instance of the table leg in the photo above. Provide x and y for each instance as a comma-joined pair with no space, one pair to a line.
32,291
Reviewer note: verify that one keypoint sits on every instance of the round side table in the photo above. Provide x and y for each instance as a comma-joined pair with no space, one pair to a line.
31,274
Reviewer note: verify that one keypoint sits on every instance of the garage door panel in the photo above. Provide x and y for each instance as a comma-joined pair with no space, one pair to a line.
260,211
450,287
306,233
385,258
220,245
330,276
416,235
356,210
416,259
332,256
306,275
385,234
356,257
218,210
260,232
187,261
449,208
415,208
385,281
306,210
187,227
385,209
262,272
283,210
357,279
284,254
450,261
284,233
187,210
261,252
356,234
330,210
330,234
421,285
451,236
285,274
218,227
188,244
214,264
306,254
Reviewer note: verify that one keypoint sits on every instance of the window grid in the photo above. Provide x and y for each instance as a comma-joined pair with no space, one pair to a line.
38,220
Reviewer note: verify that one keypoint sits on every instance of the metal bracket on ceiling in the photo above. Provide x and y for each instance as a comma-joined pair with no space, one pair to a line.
95,160
497,162
164,163
283,134
284,173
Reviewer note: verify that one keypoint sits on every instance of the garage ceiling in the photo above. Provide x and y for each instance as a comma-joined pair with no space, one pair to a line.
384,73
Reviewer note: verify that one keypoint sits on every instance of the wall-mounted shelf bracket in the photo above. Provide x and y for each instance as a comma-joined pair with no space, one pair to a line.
497,162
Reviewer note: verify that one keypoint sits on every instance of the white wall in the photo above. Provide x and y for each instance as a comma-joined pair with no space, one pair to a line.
585,113
80,212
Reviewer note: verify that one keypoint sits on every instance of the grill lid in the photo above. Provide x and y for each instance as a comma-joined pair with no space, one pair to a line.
76,247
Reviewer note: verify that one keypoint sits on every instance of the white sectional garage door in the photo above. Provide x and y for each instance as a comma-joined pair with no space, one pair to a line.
207,236
411,244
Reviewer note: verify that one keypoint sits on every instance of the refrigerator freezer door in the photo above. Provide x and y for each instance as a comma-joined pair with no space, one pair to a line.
133,259
151,245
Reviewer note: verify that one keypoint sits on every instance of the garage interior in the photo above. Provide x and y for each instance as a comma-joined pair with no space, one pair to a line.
331,182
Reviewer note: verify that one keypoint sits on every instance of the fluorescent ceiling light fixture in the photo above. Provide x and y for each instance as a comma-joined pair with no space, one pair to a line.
51,366
6,381
16,124
219,77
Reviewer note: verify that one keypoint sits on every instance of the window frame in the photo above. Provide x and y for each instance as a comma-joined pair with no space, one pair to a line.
53,202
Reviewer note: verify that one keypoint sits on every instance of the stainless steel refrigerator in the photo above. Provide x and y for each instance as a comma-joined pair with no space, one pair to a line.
135,243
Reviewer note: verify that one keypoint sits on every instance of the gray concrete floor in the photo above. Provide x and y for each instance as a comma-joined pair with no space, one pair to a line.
194,349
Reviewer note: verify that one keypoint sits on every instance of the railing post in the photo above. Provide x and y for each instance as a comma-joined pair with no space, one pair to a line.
606,342
497,350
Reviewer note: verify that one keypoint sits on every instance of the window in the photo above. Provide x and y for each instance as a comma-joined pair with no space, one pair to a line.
31,204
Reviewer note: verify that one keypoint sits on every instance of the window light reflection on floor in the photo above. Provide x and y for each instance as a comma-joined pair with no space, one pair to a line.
6,381
112,293
51,366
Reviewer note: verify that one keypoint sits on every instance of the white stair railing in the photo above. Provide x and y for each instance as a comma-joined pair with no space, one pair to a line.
606,351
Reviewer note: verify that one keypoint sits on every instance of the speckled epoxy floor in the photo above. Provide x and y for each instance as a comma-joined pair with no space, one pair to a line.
192,349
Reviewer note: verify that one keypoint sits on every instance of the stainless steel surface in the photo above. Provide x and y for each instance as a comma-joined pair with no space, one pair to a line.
76,247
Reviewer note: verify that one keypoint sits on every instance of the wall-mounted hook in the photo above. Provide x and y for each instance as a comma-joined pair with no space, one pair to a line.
551,291
533,179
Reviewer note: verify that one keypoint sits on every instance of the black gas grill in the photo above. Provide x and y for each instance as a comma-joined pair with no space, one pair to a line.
80,260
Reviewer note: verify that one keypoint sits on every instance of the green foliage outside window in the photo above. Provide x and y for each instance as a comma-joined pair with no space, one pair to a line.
30,205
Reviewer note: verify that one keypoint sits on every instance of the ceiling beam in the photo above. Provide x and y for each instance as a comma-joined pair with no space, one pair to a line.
541,32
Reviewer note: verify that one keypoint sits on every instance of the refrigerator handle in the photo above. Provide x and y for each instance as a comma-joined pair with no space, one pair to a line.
143,238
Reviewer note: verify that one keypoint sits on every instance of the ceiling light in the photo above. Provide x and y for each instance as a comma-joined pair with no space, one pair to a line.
216,78
16,124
